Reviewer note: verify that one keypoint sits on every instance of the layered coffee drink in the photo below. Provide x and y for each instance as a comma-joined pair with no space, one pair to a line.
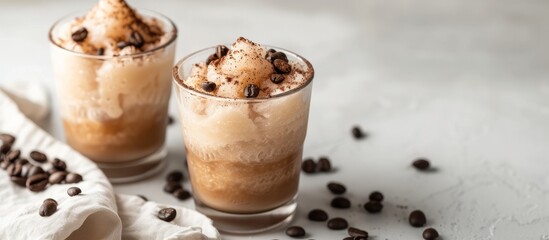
244,113
113,71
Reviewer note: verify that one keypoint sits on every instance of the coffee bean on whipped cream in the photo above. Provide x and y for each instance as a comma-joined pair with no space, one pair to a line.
79,35
37,182
211,58
251,91
21,181
5,148
278,55
101,51
15,169
57,177
282,66
12,156
35,170
277,78
208,86
38,156
167,214
136,39
73,191
59,164
7,138
269,53
48,208
221,51
73,178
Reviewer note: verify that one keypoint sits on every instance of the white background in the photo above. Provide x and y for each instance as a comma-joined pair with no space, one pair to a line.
464,83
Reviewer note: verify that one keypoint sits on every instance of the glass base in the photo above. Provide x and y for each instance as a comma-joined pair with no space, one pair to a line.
136,170
250,223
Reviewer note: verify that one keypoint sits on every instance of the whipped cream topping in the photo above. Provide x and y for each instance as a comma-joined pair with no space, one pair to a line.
246,64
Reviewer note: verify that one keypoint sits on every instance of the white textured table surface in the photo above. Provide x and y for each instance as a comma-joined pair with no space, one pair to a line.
464,83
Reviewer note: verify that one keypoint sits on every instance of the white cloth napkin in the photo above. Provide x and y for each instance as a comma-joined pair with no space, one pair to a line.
97,213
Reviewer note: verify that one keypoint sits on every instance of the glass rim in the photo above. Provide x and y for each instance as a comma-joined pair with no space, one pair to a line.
180,85
144,12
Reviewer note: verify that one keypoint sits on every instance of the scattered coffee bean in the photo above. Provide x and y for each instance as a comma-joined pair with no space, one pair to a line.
7,138
355,232
143,197
22,161
5,148
269,53
221,51
277,78
282,66
171,187
52,171
324,164
175,176
318,215
49,207
122,44
336,188
373,206
376,196
182,194
21,181
295,231
340,202
73,191
278,55
37,182
430,234
136,39
12,156
167,214
59,164
251,91
417,218
421,164
57,177
35,170
15,169
73,178
211,58
50,200
101,51
308,166
38,156
357,132
208,86
337,223
79,35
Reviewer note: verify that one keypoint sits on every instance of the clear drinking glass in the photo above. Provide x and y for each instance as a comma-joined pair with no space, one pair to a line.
115,108
244,155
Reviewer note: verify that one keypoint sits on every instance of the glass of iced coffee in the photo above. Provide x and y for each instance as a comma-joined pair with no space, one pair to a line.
244,112
112,66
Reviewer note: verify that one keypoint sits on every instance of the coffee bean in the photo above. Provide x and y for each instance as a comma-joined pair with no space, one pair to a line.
357,132
417,218
22,161
15,169
167,214
208,86
50,200
282,66
269,53
373,206
278,55
182,194
12,156
308,166
336,188
35,170
38,156
5,148
277,78
143,197
324,164
337,223
171,120
52,171
37,182
355,232
175,176
73,191
318,215
79,35
295,231
49,207
59,164
57,177
21,181
171,187
73,178
101,51
221,51
376,196
430,234
7,138
340,202
136,39
421,164
211,58
251,91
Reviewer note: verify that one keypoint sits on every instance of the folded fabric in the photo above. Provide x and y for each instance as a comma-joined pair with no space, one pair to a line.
97,213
